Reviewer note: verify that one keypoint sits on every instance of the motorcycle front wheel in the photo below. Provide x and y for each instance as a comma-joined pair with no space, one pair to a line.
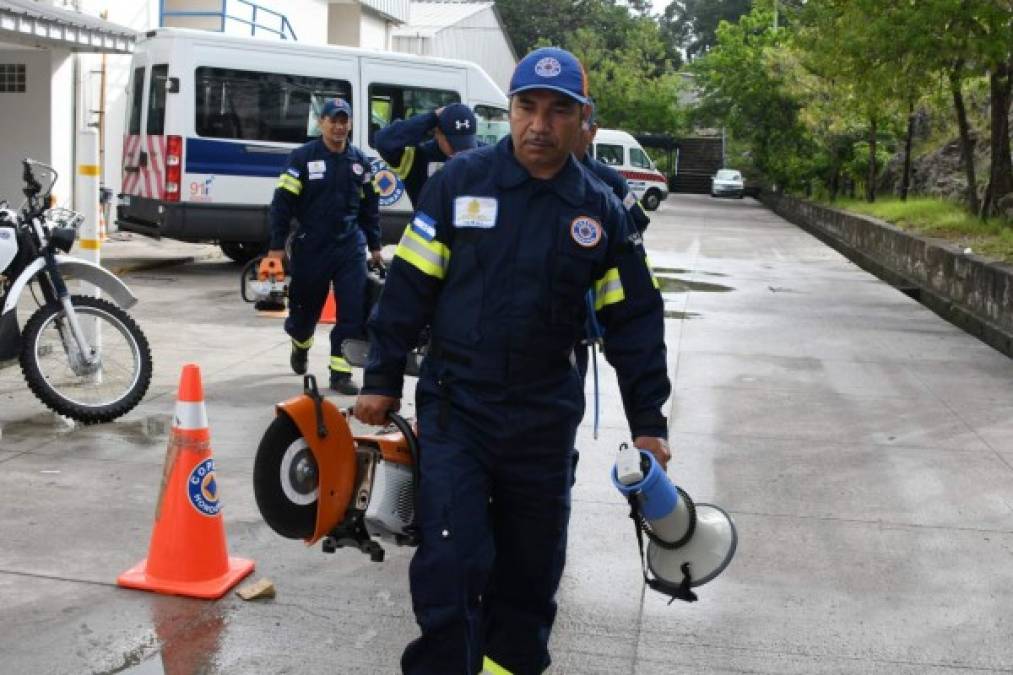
99,386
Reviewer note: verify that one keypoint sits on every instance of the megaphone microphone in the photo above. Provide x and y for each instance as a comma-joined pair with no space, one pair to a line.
689,544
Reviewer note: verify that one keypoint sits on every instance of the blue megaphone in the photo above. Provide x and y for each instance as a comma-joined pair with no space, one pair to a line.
690,544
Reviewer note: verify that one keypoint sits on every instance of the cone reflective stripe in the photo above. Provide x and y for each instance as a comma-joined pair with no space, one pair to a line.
188,554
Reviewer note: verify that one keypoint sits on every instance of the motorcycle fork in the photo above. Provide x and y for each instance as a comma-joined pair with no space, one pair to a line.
75,342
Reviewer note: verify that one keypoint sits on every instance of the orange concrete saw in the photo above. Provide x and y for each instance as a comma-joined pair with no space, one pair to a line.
314,480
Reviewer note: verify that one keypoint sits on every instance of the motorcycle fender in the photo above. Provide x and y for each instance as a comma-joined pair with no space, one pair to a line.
74,268
334,455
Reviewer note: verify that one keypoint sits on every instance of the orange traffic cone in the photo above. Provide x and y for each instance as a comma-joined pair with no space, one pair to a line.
188,554
329,314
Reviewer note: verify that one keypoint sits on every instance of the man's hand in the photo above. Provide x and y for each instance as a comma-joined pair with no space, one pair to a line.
377,257
372,409
656,446
278,253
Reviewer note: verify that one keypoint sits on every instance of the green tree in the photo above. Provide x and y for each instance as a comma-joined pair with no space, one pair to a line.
744,85
692,24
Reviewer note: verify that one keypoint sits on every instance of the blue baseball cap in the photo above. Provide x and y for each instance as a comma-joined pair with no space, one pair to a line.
550,68
336,106
458,124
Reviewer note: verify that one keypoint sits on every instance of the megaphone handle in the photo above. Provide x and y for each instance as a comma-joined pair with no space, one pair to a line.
680,592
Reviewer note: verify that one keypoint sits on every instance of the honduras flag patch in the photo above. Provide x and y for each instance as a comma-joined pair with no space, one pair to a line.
424,226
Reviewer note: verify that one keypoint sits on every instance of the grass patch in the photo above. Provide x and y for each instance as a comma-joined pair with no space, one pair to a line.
991,238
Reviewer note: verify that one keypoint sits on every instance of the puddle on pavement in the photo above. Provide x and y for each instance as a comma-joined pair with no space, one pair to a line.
671,284
672,314
140,431
678,270
188,634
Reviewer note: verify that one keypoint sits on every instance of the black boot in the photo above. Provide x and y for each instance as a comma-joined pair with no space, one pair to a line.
298,359
342,383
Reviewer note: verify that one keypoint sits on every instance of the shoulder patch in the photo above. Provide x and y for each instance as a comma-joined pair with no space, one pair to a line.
586,231
630,200
424,226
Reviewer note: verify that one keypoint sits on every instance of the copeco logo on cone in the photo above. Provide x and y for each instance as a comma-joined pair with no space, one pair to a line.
202,488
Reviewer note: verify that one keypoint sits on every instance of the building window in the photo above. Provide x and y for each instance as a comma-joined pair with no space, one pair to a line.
12,78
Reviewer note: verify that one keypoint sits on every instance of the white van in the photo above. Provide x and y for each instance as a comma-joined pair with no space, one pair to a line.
621,151
211,119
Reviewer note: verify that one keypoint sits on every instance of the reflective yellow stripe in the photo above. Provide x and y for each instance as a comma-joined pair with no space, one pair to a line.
654,279
490,667
88,169
303,345
339,364
288,182
608,290
431,257
90,244
407,157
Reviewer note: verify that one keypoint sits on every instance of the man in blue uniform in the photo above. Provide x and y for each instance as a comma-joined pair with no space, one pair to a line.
327,187
612,178
505,243
404,147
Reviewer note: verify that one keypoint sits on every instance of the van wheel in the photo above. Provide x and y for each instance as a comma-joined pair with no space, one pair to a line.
652,200
242,251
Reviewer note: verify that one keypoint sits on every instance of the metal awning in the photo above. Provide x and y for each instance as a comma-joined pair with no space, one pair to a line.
34,24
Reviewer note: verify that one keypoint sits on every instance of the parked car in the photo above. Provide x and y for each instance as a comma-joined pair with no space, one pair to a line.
728,183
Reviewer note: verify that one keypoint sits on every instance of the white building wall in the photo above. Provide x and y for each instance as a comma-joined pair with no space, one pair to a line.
61,123
478,38
23,127
374,32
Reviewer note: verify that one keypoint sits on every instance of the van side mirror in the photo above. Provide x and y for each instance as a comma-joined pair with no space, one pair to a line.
172,85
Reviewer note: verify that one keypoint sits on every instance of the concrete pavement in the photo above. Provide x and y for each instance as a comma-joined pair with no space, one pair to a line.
863,446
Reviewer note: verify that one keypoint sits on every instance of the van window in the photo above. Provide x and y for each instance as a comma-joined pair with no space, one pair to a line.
639,159
256,106
389,102
609,154
156,100
493,123
136,97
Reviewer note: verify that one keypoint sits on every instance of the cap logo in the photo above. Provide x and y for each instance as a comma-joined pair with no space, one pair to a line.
548,67
462,124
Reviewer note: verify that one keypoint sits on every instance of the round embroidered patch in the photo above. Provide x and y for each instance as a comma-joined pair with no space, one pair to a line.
585,231
548,67
357,169
202,488
389,187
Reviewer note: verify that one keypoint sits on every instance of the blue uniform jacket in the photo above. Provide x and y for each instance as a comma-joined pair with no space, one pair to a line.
331,195
499,263
403,146
621,188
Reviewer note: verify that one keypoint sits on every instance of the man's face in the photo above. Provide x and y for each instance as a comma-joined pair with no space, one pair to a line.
335,129
444,144
584,140
544,126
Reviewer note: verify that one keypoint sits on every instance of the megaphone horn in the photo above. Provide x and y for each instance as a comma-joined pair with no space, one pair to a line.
688,544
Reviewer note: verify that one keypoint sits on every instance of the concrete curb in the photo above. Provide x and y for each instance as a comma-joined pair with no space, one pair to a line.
971,292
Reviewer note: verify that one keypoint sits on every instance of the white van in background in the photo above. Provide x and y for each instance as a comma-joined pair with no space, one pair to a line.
212,118
621,151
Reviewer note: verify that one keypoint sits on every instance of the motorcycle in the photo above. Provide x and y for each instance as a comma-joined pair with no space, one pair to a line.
82,356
